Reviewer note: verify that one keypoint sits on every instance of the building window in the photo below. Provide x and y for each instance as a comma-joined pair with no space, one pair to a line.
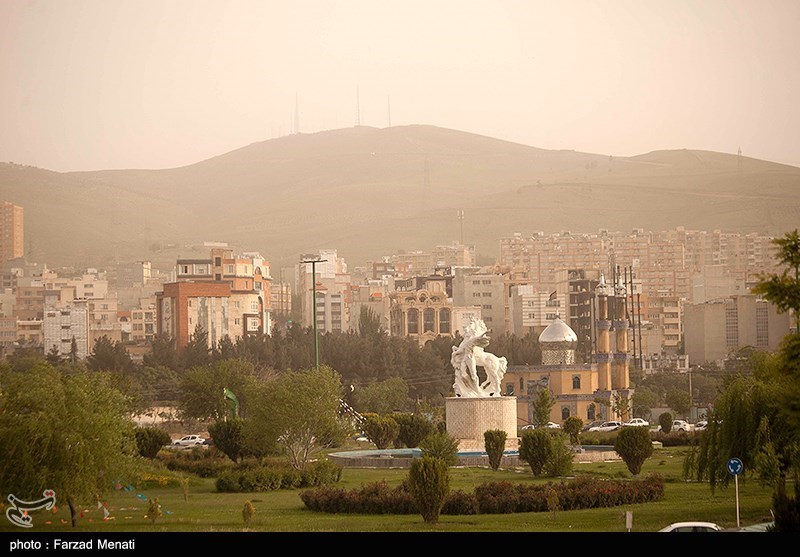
184,270
521,384
229,269
413,322
576,382
237,321
510,389
486,294
444,321
217,262
591,412
254,306
429,320
564,413
487,306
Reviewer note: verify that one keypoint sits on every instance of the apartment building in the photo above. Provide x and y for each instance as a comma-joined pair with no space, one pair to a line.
718,327
12,231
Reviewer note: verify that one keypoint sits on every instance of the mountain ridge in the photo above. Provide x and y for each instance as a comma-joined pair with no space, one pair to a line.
373,191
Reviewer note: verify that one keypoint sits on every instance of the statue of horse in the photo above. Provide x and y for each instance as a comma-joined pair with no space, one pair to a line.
495,369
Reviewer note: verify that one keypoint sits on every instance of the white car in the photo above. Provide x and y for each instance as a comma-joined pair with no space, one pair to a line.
701,425
552,425
611,425
637,422
692,527
188,441
681,425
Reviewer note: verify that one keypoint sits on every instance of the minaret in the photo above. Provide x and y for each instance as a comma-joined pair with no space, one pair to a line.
621,356
603,354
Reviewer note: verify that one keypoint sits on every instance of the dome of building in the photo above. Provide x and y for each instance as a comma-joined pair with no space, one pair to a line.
558,331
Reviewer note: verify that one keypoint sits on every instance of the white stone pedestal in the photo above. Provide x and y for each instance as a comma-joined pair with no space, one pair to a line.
468,418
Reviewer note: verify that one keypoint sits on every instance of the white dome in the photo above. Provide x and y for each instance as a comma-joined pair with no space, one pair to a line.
558,331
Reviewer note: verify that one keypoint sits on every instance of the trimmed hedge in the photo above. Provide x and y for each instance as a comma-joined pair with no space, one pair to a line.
490,498
249,478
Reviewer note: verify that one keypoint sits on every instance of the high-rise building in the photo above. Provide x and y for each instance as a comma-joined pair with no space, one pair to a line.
11,231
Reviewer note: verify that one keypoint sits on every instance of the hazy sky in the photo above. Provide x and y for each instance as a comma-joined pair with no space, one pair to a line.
95,84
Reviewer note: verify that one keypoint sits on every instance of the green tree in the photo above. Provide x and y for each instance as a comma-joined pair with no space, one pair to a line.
196,353
382,397
228,436
634,445
559,463
784,290
381,430
536,448
665,422
413,429
442,445
679,401
162,353
149,440
369,323
572,426
494,442
53,356
644,399
69,432
542,403
299,414
73,350
429,484
110,355
203,388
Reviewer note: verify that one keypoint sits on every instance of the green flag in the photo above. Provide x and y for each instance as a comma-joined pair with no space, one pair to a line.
232,397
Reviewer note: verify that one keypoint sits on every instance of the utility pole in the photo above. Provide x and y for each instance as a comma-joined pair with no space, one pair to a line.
461,218
313,263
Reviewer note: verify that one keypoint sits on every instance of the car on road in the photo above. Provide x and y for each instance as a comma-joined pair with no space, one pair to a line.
681,425
188,441
611,425
692,527
590,425
636,422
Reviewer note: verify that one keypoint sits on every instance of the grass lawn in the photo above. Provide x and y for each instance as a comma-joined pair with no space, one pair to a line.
205,510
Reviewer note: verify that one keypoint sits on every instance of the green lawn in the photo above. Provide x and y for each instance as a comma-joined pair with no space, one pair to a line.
283,511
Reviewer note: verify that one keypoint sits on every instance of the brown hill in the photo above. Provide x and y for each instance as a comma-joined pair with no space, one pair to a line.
370,192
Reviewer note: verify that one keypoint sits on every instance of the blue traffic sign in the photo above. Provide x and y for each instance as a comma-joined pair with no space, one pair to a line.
735,466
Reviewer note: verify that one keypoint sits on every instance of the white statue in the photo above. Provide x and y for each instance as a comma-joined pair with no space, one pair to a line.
470,354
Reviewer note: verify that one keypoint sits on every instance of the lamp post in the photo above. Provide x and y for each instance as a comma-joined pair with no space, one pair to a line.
313,263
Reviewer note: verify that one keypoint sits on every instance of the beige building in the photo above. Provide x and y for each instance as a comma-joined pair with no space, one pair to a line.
718,327
62,325
12,229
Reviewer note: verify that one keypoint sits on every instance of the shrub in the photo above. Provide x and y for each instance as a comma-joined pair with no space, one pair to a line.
665,422
535,448
198,463
494,442
460,502
429,485
247,513
572,426
149,440
634,445
248,478
413,428
441,445
228,438
381,430
559,462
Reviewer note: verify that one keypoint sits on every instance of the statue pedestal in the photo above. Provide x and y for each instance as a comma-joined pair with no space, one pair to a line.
468,418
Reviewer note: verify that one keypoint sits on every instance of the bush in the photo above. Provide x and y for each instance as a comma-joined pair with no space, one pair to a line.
200,462
149,440
572,427
228,438
665,422
494,442
441,445
429,485
490,498
559,463
248,478
413,428
635,446
381,430
535,448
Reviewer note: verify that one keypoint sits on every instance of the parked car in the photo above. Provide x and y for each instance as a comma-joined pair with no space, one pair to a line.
636,422
611,425
590,425
692,527
526,427
188,441
681,425
701,425
552,425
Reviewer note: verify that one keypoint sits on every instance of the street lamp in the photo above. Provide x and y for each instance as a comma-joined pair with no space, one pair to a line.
313,263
